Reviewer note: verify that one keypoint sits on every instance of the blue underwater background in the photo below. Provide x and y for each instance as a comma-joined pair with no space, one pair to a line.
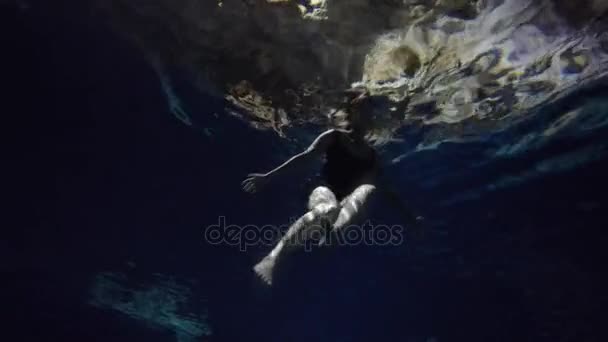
109,196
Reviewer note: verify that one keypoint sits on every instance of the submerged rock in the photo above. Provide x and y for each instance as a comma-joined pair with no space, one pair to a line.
574,62
392,65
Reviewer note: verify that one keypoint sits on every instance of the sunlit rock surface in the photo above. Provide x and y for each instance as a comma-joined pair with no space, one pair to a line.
442,64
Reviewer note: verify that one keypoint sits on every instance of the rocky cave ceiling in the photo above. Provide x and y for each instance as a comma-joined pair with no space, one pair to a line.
440,63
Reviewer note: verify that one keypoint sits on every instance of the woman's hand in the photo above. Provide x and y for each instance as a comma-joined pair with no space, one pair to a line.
255,182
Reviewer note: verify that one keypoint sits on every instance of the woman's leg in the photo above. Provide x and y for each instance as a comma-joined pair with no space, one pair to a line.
323,211
352,207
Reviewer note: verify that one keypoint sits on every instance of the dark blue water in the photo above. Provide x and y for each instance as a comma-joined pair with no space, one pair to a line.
100,177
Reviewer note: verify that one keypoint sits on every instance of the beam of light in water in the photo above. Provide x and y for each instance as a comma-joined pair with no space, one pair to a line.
174,102
162,303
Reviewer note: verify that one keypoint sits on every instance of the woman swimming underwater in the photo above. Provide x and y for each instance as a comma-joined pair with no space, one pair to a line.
351,175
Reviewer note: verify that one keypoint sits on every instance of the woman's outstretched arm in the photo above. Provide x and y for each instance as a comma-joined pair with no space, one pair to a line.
315,150
255,181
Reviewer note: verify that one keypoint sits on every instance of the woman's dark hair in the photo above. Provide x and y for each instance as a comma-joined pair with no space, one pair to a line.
359,112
